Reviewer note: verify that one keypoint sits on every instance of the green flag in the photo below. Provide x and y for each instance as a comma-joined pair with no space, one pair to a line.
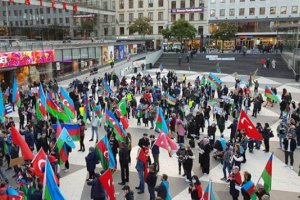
123,106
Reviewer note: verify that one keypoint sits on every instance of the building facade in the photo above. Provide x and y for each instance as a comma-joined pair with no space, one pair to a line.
162,13
257,20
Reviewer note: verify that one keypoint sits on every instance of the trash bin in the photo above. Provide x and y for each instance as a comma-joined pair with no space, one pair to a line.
135,70
297,76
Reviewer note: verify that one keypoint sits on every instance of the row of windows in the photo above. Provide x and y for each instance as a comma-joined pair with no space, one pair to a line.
233,1
183,4
159,30
37,22
31,11
252,11
160,16
140,3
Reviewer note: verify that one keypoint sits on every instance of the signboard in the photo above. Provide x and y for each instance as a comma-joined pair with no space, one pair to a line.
111,54
216,58
22,58
105,55
121,52
84,16
187,10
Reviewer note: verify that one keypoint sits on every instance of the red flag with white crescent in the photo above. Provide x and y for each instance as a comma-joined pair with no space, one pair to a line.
246,123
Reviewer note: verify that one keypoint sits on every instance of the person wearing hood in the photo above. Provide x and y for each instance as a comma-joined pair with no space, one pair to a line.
97,190
128,194
204,158
188,163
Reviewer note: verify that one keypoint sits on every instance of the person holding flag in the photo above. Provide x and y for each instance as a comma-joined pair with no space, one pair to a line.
91,162
97,190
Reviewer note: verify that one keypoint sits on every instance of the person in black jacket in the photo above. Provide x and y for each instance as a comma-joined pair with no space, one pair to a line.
124,160
232,184
114,145
161,189
91,161
232,128
128,194
37,194
289,145
97,190
151,181
155,152
267,134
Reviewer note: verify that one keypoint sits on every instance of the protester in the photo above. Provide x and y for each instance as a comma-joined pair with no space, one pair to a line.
289,145
151,181
97,190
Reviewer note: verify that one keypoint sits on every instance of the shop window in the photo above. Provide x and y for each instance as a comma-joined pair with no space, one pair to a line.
212,12
191,17
222,12
283,10
131,3
272,10
150,16
262,11
122,31
242,12
160,28
160,16
231,12
242,0
140,15
182,4
121,4
200,30
173,18
251,11
160,3
141,4
173,4
294,9
105,31
121,17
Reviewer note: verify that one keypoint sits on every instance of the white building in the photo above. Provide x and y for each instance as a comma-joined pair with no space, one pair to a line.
257,20
161,14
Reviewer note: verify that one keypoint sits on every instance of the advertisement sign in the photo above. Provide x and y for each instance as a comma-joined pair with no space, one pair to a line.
132,49
110,54
122,52
187,10
116,52
22,58
104,55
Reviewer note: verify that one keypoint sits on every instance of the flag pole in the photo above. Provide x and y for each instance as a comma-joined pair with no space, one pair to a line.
209,189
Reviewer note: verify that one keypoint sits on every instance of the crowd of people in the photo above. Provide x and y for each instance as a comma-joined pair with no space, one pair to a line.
196,120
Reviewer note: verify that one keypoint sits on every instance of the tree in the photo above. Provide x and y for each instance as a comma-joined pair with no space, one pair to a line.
182,29
225,31
167,33
141,26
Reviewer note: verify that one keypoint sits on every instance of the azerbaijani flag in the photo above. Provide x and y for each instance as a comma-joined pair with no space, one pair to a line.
107,90
93,104
51,190
55,110
270,94
15,93
208,193
214,81
267,175
98,111
73,130
250,189
112,121
161,122
64,139
170,99
67,102
105,154
40,109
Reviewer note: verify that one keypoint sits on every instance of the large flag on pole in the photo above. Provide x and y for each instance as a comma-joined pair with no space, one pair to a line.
246,123
214,81
51,190
2,110
208,193
161,122
118,129
18,139
67,102
267,174
107,182
170,99
270,94
105,154
123,106
38,163
55,110
15,93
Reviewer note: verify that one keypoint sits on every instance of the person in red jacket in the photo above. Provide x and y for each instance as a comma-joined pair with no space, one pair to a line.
195,188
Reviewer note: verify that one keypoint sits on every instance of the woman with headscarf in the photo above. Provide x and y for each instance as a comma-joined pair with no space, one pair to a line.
180,130
204,159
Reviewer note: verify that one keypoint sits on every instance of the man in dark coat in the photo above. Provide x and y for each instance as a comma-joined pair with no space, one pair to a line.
232,128
124,160
151,181
97,190
91,161
289,145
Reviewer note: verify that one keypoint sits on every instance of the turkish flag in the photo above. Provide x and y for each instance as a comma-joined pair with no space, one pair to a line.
161,141
171,143
64,5
107,182
38,164
246,123
41,2
75,7
18,139
27,2
53,3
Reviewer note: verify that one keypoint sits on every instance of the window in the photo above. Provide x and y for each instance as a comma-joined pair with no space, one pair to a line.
130,17
242,12
160,28
200,30
212,12
141,3
151,30
15,12
161,3
160,16
182,4
272,10
4,13
222,12
48,10
150,3
67,21
105,31
283,10
294,9
130,3
41,11
150,16
182,16
60,20
121,4
201,16
173,4
55,21
222,1
191,17
140,15
232,1
48,21
192,3
252,0
173,18
42,22
122,31
231,12
262,10
121,18
20,13
251,11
